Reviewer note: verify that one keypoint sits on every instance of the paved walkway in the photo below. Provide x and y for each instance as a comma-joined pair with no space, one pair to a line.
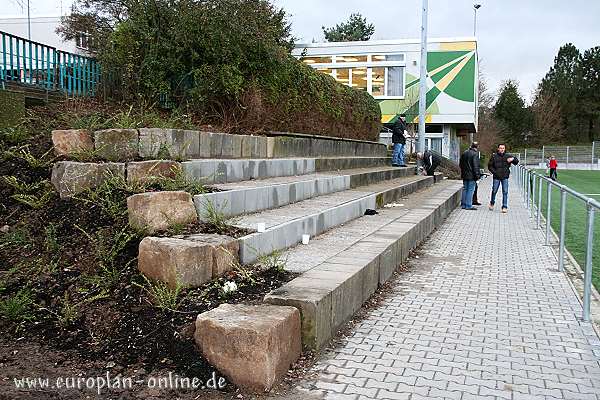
483,314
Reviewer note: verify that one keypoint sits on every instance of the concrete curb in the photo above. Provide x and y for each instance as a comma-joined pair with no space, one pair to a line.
290,233
253,199
329,294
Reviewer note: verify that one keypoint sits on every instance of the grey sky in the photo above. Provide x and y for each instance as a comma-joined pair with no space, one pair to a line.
517,38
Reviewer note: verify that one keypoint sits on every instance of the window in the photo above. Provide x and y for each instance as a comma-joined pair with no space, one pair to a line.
435,144
343,75
395,81
387,57
82,40
317,60
359,78
378,81
353,59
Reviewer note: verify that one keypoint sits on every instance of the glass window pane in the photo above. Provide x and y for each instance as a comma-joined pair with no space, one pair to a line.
395,81
387,57
328,71
343,75
359,78
316,60
378,80
346,59
436,145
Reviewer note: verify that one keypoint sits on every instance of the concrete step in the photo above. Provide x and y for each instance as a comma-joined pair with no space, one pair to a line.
344,267
236,170
286,225
257,195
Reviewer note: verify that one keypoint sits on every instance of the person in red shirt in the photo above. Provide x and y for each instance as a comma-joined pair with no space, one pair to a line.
553,165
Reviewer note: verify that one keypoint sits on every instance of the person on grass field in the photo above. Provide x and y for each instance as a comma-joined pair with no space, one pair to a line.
399,135
499,166
470,172
553,164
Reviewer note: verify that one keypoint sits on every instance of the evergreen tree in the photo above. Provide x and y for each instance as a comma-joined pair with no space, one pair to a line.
355,29
512,114
589,92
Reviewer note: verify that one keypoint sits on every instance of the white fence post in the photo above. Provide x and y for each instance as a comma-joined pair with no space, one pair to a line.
567,156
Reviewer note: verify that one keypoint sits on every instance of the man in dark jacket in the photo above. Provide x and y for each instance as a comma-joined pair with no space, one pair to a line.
431,160
399,140
499,166
470,172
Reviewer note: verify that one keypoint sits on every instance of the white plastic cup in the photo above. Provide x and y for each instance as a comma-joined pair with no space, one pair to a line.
305,239
261,227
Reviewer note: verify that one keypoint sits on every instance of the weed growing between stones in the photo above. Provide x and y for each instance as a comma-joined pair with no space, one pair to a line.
275,261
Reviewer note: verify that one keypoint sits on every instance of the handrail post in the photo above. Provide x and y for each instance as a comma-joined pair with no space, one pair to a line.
548,209
539,207
587,274
533,185
563,220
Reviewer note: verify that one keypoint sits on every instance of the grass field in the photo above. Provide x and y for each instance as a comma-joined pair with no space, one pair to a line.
587,183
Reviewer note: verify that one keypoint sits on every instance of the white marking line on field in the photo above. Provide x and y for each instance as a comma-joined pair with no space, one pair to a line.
592,194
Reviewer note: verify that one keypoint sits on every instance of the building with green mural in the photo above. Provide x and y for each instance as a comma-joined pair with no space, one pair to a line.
389,71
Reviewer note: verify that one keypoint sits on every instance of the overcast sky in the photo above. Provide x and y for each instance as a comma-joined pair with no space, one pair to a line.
518,39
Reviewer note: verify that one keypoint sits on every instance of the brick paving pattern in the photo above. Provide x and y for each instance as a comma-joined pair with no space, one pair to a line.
482,314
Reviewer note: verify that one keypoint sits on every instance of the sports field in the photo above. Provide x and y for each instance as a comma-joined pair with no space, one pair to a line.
584,182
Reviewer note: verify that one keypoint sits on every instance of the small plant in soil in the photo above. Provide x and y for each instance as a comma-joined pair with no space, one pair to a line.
161,295
274,261
18,308
24,153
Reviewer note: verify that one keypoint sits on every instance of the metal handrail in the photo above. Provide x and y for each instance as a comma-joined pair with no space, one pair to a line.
529,180
35,64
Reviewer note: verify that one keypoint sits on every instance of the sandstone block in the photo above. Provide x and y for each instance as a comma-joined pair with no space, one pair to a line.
188,260
253,346
153,141
70,178
157,211
71,141
145,171
117,144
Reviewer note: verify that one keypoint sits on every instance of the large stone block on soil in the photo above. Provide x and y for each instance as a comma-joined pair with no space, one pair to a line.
157,211
71,141
253,346
145,171
117,144
188,260
70,178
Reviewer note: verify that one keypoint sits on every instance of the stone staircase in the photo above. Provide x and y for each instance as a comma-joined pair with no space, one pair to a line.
281,188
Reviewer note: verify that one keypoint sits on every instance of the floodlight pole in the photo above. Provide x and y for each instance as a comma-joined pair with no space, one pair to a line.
423,80
28,21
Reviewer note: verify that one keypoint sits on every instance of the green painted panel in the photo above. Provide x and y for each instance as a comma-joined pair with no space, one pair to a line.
436,59
463,86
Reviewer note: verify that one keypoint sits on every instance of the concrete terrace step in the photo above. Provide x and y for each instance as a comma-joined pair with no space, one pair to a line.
236,170
359,259
286,225
257,195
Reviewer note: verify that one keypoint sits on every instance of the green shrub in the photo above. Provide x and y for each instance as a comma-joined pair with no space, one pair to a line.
226,61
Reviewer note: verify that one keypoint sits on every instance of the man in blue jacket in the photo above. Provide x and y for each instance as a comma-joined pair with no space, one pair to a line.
499,166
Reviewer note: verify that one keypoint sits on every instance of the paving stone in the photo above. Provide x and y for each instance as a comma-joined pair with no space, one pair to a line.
505,317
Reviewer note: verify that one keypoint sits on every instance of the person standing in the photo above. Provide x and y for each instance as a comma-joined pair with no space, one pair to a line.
470,172
553,164
499,166
399,140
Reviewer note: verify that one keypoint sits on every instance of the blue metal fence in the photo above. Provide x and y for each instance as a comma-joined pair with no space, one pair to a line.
36,64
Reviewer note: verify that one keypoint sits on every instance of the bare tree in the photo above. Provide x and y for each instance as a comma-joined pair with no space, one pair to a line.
547,120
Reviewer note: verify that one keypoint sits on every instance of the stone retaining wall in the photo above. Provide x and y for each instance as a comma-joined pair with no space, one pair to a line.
181,144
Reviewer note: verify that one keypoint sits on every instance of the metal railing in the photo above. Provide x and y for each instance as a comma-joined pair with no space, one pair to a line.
36,64
531,184
582,157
